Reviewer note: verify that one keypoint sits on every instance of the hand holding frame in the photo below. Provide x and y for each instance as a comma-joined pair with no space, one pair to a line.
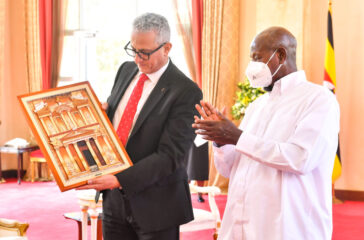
101,183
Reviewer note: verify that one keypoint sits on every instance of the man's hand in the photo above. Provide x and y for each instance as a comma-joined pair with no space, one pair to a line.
101,183
207,111
104,106
214,126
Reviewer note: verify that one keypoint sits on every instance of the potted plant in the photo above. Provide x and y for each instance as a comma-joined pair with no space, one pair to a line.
244,96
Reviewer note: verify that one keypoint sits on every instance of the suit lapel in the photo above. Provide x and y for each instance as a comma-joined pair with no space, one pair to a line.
156,95
124,85
121,88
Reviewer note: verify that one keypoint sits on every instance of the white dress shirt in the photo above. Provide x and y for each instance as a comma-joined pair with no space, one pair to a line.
147,89
280,169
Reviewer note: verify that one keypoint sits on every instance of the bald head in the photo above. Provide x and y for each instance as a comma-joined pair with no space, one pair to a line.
274,38
280,43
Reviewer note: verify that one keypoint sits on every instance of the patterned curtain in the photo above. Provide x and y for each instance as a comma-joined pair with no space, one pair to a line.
34,70
32,55
220,61
211,44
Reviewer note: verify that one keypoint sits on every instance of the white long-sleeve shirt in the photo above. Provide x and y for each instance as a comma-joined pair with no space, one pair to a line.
280,169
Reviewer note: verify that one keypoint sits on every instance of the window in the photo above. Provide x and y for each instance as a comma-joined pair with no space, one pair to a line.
96,33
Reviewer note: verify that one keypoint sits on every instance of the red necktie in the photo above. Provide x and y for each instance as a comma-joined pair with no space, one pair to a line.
127,118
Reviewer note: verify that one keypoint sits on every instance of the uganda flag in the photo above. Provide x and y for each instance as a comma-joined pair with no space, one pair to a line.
330,82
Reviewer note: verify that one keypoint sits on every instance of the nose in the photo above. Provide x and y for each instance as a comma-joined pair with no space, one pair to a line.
138,59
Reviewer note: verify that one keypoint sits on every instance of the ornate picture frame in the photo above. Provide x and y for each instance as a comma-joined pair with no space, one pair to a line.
74,133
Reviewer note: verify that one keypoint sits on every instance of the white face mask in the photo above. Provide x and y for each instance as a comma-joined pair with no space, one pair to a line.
259,74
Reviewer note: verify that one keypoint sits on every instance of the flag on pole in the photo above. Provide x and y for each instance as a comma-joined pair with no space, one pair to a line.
330,81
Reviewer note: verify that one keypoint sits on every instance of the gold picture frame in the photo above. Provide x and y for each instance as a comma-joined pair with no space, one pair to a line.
74,133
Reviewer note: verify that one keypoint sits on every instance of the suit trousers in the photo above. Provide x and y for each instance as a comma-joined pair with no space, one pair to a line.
125,227
112,231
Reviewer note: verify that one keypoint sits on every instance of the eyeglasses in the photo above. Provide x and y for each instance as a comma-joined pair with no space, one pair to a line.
143,55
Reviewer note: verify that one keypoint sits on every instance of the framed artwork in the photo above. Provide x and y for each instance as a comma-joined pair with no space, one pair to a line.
74,134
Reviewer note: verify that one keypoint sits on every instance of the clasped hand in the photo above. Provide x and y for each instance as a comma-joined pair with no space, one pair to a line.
214,126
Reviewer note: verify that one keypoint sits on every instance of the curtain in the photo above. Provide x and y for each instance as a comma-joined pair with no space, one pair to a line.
183,15
59,12
211,43
45,32
189,16
34,69
197,25
220,61
32,54
52,15
2,45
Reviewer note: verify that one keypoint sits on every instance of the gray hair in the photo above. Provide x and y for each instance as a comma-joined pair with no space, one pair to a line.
153,22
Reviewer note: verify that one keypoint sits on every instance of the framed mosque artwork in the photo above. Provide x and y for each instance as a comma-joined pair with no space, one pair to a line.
74,134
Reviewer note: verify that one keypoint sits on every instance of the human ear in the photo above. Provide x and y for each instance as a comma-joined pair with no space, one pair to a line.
167,47
282,55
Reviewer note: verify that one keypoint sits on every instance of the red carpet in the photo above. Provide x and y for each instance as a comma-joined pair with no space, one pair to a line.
42,205
348,221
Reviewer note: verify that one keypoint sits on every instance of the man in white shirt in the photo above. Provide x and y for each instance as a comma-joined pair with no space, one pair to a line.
281,157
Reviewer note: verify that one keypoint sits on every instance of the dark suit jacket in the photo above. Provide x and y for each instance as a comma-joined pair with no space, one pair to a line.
156,185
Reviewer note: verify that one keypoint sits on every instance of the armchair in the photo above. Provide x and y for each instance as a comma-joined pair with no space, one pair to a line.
12,229
204,219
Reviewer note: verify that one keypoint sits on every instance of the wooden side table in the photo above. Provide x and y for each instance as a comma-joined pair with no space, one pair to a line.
19,152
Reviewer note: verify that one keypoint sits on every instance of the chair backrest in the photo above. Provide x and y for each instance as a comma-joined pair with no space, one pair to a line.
12,228
212,191
204,219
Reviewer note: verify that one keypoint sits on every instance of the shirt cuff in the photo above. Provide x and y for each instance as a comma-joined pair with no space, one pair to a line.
246,143
218,148
216,145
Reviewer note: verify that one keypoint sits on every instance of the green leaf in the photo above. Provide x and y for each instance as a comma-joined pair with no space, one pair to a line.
244,96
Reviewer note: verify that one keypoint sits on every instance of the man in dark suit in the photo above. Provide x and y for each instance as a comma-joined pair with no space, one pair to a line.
152,115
